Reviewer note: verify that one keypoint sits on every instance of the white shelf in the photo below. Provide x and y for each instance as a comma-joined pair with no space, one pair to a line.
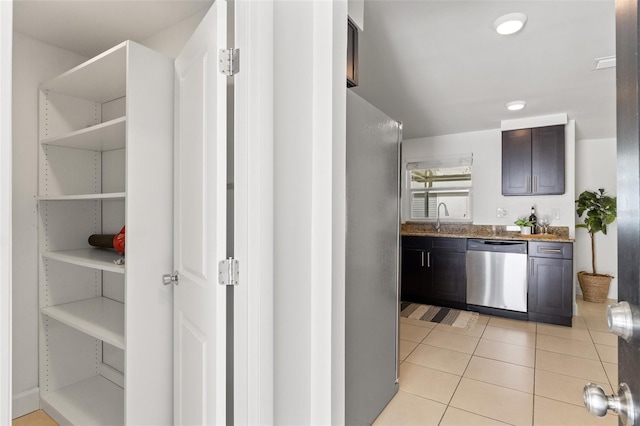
94,401
88,257
98,317
100,79
105,136
82,197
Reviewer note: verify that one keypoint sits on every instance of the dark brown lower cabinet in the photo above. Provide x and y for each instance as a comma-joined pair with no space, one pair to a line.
414,275
447,276
550,297
434,271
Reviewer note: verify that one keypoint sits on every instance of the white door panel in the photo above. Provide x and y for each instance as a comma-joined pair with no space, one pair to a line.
192,251
193,352
200,226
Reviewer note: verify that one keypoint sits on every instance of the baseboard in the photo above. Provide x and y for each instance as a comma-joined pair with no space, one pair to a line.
25,402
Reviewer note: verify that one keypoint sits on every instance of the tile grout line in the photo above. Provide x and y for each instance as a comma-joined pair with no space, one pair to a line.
611,384
462,375
416,347
535,370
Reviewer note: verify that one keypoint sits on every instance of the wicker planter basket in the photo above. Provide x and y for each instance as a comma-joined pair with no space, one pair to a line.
594,287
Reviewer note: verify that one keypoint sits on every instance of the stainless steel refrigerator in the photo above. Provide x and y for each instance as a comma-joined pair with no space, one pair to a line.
372,260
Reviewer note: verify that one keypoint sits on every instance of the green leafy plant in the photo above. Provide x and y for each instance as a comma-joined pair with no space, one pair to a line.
523,223
600,211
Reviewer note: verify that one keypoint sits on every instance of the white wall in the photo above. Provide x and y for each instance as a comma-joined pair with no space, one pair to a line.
596,168
33,63
309,143
356,13
486,147
170,41
6,26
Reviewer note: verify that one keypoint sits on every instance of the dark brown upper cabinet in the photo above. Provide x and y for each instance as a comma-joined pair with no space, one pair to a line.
533,161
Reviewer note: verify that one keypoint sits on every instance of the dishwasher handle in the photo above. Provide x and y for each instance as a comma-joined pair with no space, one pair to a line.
504,246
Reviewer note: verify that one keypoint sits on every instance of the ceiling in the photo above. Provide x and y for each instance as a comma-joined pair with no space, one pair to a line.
437,66
89,27
440,68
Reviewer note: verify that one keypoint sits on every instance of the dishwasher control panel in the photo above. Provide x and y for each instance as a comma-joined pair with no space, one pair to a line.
500,246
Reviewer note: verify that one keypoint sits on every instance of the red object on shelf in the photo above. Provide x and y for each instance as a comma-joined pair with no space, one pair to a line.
118,241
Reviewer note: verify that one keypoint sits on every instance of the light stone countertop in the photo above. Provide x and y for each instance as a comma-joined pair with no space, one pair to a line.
558,234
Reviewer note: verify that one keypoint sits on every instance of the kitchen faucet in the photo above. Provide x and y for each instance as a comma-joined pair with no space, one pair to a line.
446,213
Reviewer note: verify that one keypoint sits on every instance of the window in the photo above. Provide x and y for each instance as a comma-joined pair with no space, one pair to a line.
440,180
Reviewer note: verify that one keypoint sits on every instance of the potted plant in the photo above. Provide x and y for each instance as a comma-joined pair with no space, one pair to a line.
600,211
525,225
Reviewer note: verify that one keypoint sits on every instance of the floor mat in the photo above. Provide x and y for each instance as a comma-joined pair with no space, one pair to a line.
428,313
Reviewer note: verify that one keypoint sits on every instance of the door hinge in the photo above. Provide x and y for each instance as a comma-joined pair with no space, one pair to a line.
228,271
229,61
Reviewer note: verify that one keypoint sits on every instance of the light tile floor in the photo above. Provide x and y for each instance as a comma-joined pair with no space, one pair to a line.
503,371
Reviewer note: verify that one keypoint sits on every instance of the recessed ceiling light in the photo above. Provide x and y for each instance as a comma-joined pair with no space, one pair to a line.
516,105
510,23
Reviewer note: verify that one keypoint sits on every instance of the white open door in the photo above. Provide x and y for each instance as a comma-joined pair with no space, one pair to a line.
200,226
6,25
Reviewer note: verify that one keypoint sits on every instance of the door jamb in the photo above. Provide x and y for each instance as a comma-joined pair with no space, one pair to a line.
253,214
6,42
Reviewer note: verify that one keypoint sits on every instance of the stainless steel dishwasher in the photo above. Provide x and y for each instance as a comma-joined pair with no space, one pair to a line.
497,274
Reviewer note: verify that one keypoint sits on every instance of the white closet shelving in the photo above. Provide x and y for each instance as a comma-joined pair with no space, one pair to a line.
86,402
100,170
99,317
103,260
111,196
101,137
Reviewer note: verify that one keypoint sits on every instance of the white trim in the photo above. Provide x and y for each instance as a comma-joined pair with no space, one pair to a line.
309,123
322,122
539,121
339,211
253,210
25,402
6,40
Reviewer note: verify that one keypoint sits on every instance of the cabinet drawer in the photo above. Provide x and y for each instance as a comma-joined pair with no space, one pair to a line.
550,249
435,243
411,242
448,244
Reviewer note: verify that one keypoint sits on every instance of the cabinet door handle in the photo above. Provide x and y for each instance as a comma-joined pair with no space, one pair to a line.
549,250
428,259
535,184
528,183
422,259
532,268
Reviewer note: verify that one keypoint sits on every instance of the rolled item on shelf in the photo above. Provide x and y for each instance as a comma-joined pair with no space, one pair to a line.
113,241
101,240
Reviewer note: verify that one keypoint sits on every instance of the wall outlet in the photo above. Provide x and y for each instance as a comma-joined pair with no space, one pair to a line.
556,214
502,212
